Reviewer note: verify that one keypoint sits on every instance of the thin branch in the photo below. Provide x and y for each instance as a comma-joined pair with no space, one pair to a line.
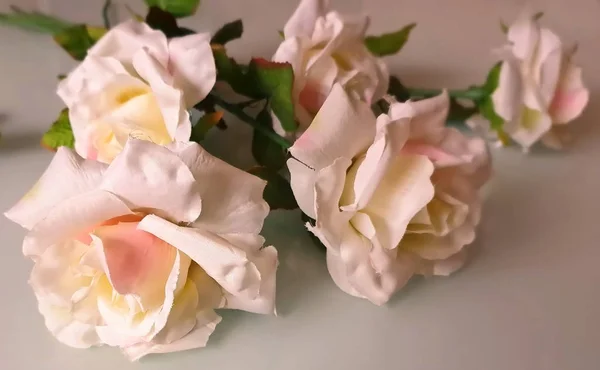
243,116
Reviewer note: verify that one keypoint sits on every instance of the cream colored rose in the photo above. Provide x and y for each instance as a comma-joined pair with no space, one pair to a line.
391,196
136,83
539,87
139,253
325,48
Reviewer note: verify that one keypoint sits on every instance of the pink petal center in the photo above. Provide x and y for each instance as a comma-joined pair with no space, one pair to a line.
430,151
136,260
311,98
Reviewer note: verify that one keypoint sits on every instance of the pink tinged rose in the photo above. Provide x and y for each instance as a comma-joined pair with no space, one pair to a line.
571,96
311,97
134,257
434,154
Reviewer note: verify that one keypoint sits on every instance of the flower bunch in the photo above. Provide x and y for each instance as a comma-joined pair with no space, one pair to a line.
138,234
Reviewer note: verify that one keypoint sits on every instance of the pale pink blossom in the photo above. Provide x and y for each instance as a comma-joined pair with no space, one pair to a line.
391,196
139,253
136,83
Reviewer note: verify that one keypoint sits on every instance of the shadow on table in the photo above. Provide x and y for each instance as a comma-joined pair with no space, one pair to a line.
301,276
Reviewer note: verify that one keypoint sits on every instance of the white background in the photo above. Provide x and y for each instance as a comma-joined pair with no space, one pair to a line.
529,300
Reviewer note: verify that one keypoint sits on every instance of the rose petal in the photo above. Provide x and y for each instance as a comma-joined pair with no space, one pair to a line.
67,175
302,181
232,199
231,267
524,35
331,221
169,188
543,73
121,330
60,322
182,318
193,66
210,293
353,271
137,262
342,128
125,39
571,95
302,22
402,192
427,118
529,127
266,263
70,217
170,99
206,322
89,77
61,281
507,96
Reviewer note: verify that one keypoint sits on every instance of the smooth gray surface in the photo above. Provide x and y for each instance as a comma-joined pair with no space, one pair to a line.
529,300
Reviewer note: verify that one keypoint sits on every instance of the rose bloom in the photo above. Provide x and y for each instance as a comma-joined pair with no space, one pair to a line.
135,82
390,197
539,88
325,48
138,254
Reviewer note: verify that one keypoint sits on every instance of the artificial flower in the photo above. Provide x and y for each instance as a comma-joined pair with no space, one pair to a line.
136,83
390,196
539,89
138,254
325,48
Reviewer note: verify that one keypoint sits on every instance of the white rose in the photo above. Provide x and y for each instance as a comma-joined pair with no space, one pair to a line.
369,185
136,83
325,48
138,254
539,87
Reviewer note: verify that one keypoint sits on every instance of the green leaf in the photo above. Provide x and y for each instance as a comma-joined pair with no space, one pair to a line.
228,32
60,133
267,153
165,22
281,34
458,112
503,27
278,192
389,43
275,82
179,8
204,124
491,81
486,108
398,90
230,71
77,40
34,21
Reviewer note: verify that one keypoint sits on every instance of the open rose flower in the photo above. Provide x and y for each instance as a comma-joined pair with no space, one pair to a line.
138,254
539,88
325,48
134,82
390,197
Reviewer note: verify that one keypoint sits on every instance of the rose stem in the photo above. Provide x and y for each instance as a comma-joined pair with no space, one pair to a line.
239,113
473,93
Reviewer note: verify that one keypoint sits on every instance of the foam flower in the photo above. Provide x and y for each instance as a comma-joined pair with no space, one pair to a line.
390,196
135,82
325,48
540,89
139,253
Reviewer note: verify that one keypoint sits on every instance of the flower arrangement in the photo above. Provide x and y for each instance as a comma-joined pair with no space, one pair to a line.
138,234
